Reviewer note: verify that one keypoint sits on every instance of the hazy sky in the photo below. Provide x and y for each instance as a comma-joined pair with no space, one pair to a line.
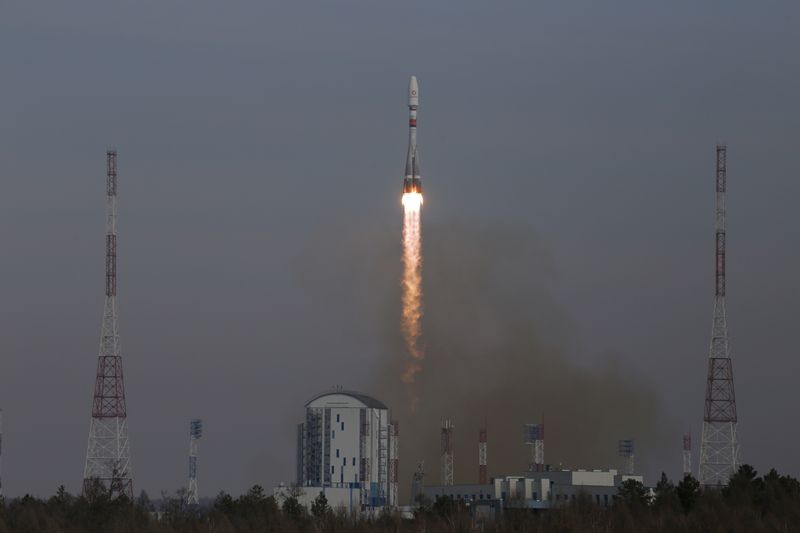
261,147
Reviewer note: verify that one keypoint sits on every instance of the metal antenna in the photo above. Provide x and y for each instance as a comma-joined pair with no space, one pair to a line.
483,475
719,449
447,452
108,456
195,432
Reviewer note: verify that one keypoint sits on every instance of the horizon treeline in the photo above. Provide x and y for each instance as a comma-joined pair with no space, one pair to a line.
749,503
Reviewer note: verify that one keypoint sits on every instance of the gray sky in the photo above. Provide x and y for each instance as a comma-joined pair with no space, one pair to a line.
261,150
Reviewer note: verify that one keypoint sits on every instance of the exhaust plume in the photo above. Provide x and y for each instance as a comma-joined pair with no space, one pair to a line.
412,291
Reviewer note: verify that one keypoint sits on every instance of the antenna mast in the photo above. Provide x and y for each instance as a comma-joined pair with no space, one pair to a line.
108,456
195,432
719,449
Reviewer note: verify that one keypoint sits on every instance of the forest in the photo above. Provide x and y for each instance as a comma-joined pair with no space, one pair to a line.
749,503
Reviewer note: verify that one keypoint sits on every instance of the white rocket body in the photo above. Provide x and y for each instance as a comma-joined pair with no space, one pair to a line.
412,181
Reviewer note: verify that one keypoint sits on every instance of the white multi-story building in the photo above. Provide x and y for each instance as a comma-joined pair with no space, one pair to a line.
347,449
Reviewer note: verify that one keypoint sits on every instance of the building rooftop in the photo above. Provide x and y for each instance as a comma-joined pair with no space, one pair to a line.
368,401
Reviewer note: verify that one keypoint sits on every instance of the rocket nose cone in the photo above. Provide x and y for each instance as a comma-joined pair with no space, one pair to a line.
413,91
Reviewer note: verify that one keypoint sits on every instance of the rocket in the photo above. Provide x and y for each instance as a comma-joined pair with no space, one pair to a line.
412,181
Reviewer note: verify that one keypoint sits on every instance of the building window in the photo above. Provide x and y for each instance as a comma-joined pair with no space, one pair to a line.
337,452
605,499
354,461
342,426
333,433
337,418
333,469
344,461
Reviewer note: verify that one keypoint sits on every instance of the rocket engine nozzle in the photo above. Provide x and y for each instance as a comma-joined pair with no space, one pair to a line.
412,185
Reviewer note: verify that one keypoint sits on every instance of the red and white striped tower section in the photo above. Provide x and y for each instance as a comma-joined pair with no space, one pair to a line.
483,474
687,454
394,463
108,456
719,448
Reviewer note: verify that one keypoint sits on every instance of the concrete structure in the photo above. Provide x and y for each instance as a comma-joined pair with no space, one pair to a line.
537,490
339,497
346,448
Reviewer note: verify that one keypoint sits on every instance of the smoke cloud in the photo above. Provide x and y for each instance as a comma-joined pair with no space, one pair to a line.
498,352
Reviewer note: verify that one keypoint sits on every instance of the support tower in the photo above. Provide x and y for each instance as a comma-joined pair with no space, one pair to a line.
108,456
447,452
195,432
719,449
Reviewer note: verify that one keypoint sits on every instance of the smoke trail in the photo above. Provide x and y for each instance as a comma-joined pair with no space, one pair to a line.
500,347
412,288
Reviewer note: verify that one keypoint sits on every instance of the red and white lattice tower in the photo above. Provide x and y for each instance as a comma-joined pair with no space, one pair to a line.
483,473
108,456
719,449
447,452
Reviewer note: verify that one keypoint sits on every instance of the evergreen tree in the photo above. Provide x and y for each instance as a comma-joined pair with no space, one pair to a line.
688,491
319,507
633,493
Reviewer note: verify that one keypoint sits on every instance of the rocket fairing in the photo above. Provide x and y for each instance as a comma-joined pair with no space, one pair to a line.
412,181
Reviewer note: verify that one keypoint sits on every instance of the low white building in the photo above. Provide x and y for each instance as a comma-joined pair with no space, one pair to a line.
347,448
538,490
